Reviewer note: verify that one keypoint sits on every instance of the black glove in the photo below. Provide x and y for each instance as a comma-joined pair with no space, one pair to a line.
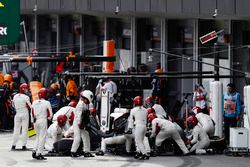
129,131
148,134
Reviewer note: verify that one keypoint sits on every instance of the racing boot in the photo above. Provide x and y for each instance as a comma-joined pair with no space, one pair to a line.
34,154
143,157
24,148
100,153
40,157
74,155
13,148
137,155
87,154
146,157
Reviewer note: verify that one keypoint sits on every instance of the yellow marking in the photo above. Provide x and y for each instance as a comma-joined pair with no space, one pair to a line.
1,5
31,132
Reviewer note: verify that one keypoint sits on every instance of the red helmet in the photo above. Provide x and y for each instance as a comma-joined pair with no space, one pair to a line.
73,103
192,121
92,110
196,109
151,117
61,120
23,88
149,101
138,101
42,93
151,110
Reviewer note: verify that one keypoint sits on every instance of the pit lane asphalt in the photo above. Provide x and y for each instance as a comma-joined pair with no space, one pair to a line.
24,159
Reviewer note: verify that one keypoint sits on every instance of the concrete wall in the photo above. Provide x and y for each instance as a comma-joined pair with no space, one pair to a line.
180,8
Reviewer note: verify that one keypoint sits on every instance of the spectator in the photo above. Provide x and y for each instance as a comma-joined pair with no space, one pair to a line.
232,109
17,74
71,88
5,92
110,86
98,95
158,86
54,97
199,98
60,67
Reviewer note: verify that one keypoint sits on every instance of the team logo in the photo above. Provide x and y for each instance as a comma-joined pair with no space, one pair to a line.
3,31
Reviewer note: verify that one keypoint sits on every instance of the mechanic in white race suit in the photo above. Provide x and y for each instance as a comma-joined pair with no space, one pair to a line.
22,105
56,132
138,118
163,129
80,121
70,132
205,121
41,112
179,129
199,138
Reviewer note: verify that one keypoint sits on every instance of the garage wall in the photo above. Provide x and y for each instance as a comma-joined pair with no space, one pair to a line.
180,8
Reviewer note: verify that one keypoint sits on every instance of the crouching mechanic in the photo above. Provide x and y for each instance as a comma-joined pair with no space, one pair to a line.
199,138
122,139
70,132
80,125
126,139
205,121
41,112
22,105
68,111
56,131
138,117
164,129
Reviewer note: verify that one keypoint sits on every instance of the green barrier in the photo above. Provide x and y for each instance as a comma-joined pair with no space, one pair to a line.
9,21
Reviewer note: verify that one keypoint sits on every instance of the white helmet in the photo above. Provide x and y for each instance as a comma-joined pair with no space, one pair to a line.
87,94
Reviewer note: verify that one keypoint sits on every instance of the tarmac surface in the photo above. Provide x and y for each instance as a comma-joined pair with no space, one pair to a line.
24,159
